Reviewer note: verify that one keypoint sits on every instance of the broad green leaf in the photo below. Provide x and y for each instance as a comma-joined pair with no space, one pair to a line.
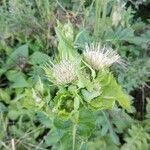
86,123
124,120
112,91
22,51
98,143
88,96
102,103
5,95
119,34
61,123
17,78
104,124
114,138
13,114
53,137
67,142
84,81
3,108
44,119
15,130
39,58
105,129
81,38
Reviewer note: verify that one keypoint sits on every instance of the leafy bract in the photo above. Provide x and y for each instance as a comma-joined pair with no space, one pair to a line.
111,92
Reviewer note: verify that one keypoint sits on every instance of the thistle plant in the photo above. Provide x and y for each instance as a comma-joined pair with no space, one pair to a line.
80,93
99,58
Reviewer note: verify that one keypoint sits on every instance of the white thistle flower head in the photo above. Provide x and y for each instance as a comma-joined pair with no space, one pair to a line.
99,56
64,72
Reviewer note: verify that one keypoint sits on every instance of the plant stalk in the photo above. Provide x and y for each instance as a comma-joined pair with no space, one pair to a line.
13,144
74,136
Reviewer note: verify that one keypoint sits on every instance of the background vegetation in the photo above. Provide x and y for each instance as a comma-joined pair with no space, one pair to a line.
32,32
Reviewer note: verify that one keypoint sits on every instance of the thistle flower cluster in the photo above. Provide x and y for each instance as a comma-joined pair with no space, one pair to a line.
100,57
96,55
64,72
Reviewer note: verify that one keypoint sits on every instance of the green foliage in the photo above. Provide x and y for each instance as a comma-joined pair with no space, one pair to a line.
136,75
138,136
74,104
65,37
39,58
19,52
93,111
137,139
111,91
26,21
17,78
104,143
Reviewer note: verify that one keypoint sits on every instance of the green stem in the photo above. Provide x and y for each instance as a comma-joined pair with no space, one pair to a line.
81,145
74,136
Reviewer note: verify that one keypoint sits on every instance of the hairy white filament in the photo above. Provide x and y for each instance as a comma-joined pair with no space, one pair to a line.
100,57
64,72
